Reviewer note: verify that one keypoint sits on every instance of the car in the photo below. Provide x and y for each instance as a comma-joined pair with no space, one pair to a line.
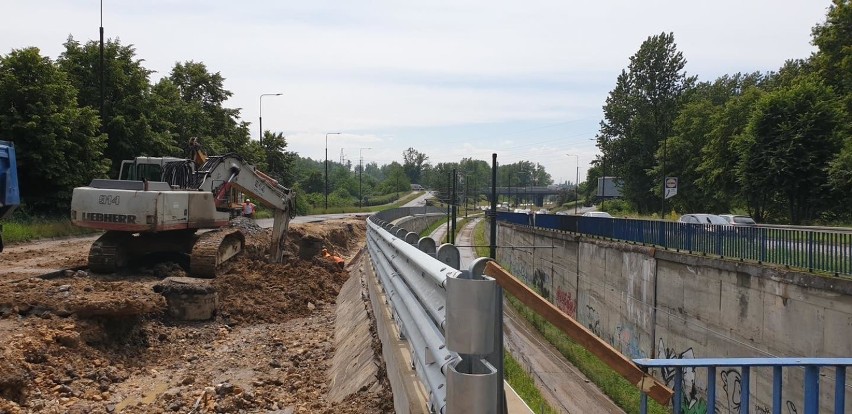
737,220
597,214
702,218
541,211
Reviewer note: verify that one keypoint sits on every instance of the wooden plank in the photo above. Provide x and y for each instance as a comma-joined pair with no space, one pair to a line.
579,333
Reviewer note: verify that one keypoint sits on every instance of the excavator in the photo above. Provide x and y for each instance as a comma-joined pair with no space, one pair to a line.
162,204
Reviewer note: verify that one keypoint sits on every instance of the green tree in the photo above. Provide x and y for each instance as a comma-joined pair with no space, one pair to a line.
203,115
413,163
639,114
278,161
58,143
834,58
126,97
786,149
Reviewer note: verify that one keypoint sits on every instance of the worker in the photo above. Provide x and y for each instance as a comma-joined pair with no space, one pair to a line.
196,153
337,260
248,208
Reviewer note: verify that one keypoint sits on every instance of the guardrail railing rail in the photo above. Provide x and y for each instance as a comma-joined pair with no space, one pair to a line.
449,317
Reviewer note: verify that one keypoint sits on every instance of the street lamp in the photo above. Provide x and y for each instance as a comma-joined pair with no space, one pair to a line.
326,166
360,173
576,183
260,114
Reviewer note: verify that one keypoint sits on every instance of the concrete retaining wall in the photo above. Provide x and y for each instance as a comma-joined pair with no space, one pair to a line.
705,308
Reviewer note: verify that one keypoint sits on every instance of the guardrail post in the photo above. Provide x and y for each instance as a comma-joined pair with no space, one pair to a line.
449,254
412,238
474,331
427,245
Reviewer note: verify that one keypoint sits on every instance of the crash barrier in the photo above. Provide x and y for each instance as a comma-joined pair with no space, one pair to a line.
813,249
450,318
738,372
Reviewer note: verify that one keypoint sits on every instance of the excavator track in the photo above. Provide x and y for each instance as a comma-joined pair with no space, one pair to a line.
108,252
214,248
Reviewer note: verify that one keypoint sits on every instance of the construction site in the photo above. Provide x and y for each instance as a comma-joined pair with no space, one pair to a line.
268,340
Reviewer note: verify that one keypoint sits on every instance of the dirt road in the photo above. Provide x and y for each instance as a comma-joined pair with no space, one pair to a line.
87,343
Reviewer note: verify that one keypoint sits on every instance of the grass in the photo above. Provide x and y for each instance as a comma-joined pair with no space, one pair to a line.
624,394
366,209
434,226
524,385
19,231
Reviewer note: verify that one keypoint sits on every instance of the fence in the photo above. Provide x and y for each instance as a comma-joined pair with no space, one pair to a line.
822,250
814,368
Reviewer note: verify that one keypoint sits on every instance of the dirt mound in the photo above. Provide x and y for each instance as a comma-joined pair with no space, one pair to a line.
80,343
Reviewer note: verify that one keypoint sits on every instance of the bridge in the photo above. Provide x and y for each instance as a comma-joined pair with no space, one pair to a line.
648,324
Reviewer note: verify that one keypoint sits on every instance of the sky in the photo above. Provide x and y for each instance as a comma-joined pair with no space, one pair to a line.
526,80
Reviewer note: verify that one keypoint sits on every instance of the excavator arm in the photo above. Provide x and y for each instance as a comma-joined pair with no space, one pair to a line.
222,173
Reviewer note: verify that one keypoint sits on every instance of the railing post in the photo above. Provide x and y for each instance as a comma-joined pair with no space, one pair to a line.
839,389
811,389
745,387
776,389
711,390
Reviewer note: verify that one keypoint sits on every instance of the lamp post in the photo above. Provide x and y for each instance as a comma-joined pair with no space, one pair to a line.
360,173
576,183
326,166
260,114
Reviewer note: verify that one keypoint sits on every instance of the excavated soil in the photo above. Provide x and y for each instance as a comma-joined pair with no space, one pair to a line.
75,342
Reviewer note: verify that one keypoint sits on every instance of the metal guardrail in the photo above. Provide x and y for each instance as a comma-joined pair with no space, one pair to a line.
812,367
449,317
811,249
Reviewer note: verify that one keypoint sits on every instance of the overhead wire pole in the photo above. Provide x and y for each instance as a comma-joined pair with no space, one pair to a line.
576,183
260,114
101,68
455,207
360,173
326,166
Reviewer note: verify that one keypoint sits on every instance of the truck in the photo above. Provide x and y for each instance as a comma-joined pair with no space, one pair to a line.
10,197
168,205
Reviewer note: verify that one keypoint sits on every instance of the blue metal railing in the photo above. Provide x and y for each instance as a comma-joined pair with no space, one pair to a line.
814,250
812,368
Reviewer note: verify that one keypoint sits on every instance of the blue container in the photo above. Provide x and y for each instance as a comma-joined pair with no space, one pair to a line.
10,196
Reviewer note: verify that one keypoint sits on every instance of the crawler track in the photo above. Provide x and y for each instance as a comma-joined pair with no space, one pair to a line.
214,248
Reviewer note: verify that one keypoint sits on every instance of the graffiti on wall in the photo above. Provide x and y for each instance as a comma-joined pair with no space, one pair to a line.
732,394
627,341
539,280
594,320
693,400
566,303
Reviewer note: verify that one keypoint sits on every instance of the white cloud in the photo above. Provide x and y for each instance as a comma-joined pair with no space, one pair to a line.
389,72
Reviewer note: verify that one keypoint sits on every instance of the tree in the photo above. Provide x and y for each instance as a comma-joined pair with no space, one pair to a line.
413,162
58,143
203,114
786,149
278,161
834,40
126,102
638,116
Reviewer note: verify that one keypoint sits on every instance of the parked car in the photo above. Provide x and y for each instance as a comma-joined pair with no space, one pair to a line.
735,220
702,218
597,214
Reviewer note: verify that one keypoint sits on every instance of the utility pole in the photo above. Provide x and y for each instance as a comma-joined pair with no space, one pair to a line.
455,207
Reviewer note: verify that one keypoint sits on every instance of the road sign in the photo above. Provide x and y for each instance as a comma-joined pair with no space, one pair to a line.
671,187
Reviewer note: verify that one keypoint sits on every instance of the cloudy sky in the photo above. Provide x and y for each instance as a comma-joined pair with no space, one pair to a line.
452,79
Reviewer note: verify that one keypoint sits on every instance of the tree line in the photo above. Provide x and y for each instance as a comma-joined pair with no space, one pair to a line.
776,145
68,129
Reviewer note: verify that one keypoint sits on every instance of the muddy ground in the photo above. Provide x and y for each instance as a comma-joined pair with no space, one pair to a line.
74,342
